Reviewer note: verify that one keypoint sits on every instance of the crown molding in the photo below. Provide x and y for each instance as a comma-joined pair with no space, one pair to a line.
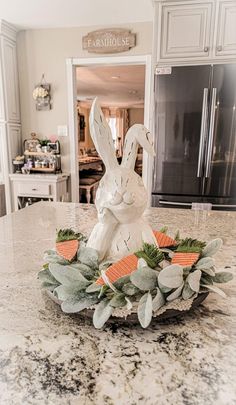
8,30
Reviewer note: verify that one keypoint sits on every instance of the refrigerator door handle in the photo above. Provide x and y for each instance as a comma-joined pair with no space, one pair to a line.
211,132
163,202
203,132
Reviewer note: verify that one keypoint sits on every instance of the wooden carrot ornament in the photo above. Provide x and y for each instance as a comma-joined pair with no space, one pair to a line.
67,243
120,269
188,252
164,240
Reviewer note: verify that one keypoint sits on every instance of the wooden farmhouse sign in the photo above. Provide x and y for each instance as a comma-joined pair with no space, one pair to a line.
109,41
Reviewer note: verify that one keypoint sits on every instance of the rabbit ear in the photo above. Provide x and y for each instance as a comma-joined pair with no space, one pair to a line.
136,135
102,137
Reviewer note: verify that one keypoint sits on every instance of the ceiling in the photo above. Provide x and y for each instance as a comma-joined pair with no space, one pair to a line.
115,86
74,13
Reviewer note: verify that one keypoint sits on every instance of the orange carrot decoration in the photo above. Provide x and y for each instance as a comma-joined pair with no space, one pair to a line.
185,259
67,243
67,249
188,252
120,269
163,240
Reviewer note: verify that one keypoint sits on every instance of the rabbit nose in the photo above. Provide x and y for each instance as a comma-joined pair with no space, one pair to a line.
128,198
116,199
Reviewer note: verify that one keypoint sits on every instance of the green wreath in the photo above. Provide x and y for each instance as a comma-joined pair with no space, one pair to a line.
73,275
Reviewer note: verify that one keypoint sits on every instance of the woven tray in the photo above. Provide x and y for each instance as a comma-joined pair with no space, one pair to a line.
133,318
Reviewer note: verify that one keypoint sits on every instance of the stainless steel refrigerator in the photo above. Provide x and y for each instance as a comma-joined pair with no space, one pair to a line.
195,136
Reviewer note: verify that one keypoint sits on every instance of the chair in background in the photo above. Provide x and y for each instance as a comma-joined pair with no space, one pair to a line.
90,185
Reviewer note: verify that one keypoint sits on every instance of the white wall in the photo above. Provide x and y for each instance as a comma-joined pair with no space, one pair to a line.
45,51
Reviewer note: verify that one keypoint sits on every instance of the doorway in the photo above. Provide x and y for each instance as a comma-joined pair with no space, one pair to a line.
123,87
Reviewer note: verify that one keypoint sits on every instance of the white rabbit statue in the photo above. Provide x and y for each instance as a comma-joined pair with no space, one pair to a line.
121,197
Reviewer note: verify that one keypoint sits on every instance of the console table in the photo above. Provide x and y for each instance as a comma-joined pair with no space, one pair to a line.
52,187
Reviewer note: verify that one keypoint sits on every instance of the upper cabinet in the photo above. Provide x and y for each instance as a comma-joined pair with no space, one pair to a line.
226,29
194,30
11,81
186,30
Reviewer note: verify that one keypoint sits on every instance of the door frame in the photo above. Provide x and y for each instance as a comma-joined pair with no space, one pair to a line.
71,64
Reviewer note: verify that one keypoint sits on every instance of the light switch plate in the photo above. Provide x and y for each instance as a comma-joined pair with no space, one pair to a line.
62,130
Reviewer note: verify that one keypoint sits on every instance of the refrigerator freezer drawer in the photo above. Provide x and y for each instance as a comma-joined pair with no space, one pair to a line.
175,201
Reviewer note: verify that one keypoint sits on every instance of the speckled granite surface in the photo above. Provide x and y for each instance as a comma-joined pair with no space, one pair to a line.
49,358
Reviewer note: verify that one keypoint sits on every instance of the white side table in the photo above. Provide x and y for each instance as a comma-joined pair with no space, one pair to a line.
43,186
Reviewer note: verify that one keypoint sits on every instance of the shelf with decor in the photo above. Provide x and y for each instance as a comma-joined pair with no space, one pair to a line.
27,153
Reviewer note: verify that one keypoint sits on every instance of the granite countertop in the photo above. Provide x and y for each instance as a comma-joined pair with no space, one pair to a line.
48,357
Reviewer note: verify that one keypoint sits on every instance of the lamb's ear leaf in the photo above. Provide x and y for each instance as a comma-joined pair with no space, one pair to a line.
46,277
175,294
163,289
118,301
212,247
102,313
64,292
209,272
94,287
102,137
49,286
144,278
88,256
158,301
77,304
193,280
120,282
205,263
215,289
206,279
129,304
130,289
51,256
187,291
171,276
145,310
85,270
68,276
223,277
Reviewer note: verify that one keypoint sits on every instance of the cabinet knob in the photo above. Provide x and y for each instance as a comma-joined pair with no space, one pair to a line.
219,48
34,189
206,48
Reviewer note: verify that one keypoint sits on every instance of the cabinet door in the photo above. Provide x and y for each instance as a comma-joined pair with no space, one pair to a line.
14,143
2,111
11,81
226,29
186,30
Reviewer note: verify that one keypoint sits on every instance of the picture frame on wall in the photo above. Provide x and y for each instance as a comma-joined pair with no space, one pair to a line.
81,129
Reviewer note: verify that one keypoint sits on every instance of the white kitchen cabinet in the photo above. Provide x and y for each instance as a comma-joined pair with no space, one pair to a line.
2,107
52,187
13,143
186,30
11,80
194,31
10,128
226,30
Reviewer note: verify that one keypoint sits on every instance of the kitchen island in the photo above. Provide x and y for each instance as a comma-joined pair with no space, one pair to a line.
48,357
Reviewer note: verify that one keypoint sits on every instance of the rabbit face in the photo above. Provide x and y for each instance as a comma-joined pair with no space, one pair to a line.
123,192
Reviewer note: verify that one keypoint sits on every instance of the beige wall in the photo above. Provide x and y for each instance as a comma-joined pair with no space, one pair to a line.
45,51
136,116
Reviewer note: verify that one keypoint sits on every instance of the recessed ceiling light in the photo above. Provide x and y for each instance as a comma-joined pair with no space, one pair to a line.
115,77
